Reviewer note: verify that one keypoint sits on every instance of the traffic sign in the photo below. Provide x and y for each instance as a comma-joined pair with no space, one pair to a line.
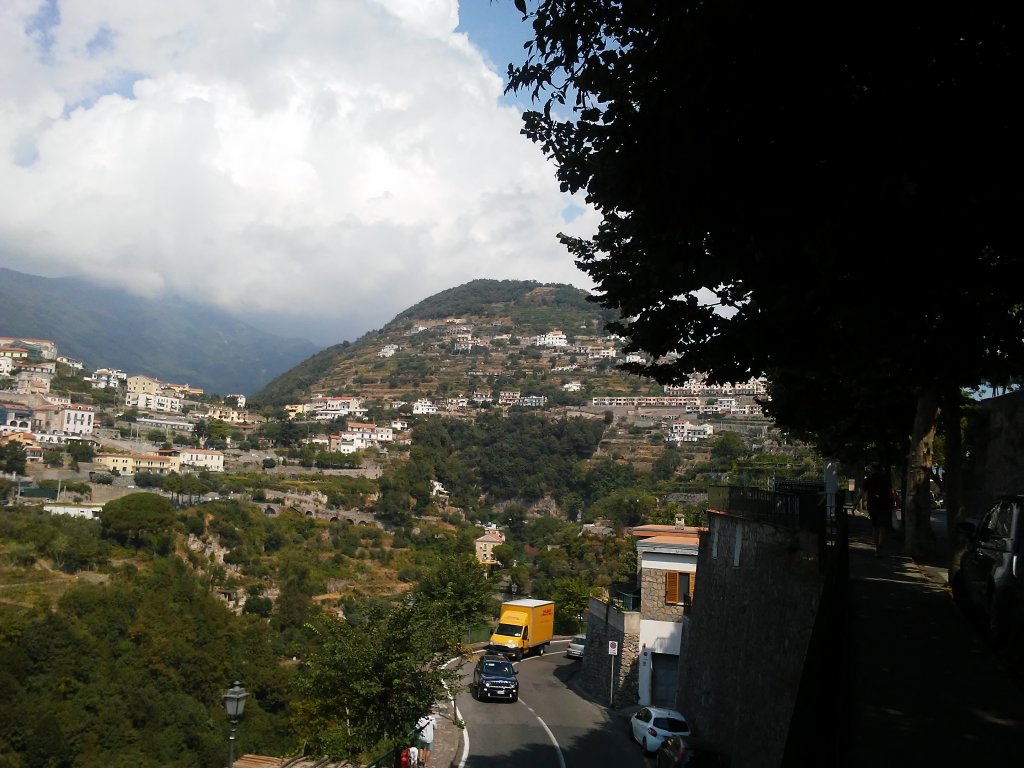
613,648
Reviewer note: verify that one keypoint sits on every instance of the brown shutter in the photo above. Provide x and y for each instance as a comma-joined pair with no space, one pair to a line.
671,587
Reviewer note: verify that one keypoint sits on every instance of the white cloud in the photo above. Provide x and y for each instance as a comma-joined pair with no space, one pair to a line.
323,165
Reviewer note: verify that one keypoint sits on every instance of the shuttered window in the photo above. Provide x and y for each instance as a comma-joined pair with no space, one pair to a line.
678,588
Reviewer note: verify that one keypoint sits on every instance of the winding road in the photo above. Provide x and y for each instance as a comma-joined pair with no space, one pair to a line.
551,726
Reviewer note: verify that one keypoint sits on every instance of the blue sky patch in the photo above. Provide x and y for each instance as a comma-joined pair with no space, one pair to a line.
40,28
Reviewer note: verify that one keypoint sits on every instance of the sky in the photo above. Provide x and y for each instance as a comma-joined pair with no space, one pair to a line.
314,167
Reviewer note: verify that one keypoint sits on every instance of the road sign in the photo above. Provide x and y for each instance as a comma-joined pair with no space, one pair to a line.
613,648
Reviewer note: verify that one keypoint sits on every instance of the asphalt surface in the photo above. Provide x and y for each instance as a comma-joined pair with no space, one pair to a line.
924,687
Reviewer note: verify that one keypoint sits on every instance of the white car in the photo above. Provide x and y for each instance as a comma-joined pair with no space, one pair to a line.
574,650
652,725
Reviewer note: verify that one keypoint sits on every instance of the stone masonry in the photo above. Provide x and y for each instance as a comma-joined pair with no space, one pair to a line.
607,623
753,612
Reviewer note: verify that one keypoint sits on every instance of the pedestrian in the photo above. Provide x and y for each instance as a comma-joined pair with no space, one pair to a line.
876,493
413,753
425,725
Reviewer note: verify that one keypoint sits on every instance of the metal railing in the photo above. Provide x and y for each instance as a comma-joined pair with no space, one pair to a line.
799,506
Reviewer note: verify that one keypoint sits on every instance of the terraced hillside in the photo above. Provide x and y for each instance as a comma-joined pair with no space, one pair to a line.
476,337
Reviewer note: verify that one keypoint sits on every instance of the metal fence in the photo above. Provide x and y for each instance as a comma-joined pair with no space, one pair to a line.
799,506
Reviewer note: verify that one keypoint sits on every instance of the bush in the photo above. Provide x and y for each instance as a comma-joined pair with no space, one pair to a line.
194,525
260,606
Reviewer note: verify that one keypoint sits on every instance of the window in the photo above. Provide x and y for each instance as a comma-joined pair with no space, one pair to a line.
998,521
678,588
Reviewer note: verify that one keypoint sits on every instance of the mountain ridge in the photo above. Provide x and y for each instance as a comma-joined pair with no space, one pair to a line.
170,338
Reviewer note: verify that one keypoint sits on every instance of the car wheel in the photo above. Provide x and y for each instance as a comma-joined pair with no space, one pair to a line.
515,697
643,746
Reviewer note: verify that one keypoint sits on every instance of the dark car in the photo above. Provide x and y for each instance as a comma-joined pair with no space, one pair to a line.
494,677
988,580
679,752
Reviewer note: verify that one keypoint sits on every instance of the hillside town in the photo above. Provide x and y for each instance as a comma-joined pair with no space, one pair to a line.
37,418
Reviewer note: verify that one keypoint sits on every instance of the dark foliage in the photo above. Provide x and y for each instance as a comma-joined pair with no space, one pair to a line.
816,194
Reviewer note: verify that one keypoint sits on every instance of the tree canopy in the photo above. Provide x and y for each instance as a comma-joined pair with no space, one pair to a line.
826,197
136,514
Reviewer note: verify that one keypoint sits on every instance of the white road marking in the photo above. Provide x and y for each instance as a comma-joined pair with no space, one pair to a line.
465,729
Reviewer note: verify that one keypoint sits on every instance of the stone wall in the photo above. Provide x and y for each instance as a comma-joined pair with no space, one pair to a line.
998,452
605,622
753,611
652,602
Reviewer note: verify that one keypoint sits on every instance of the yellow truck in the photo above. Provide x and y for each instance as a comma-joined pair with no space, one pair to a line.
525,626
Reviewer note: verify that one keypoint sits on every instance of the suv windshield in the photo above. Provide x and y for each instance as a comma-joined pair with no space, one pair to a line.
498,668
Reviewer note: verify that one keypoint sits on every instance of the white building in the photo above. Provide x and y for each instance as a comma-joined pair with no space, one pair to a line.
553,338
327,408
74,419
424,407
108,378
371,433
70,362
667,566
687,432
200,458
145,401
533,401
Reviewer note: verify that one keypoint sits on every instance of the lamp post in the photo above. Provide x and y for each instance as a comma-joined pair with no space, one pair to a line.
234,705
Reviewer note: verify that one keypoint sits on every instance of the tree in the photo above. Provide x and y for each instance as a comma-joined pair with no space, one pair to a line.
773,200
572,600
131,516
459,585
53,458
81,451
367,681
13,458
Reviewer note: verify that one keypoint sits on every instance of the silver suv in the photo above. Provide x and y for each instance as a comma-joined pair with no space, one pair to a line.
574,650
990,576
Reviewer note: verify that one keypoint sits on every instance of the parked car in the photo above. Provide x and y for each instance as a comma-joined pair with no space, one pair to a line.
494,677
989,577
574,650
679,752
650,726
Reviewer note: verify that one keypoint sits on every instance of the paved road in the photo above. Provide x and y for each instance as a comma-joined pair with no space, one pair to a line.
551,726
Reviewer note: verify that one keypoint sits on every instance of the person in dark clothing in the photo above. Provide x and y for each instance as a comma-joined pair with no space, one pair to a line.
876,494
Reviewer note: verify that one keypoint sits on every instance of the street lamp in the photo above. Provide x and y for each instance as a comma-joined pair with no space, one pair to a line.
234,704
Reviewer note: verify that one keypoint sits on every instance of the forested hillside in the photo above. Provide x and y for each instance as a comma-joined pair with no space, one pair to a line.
171,340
